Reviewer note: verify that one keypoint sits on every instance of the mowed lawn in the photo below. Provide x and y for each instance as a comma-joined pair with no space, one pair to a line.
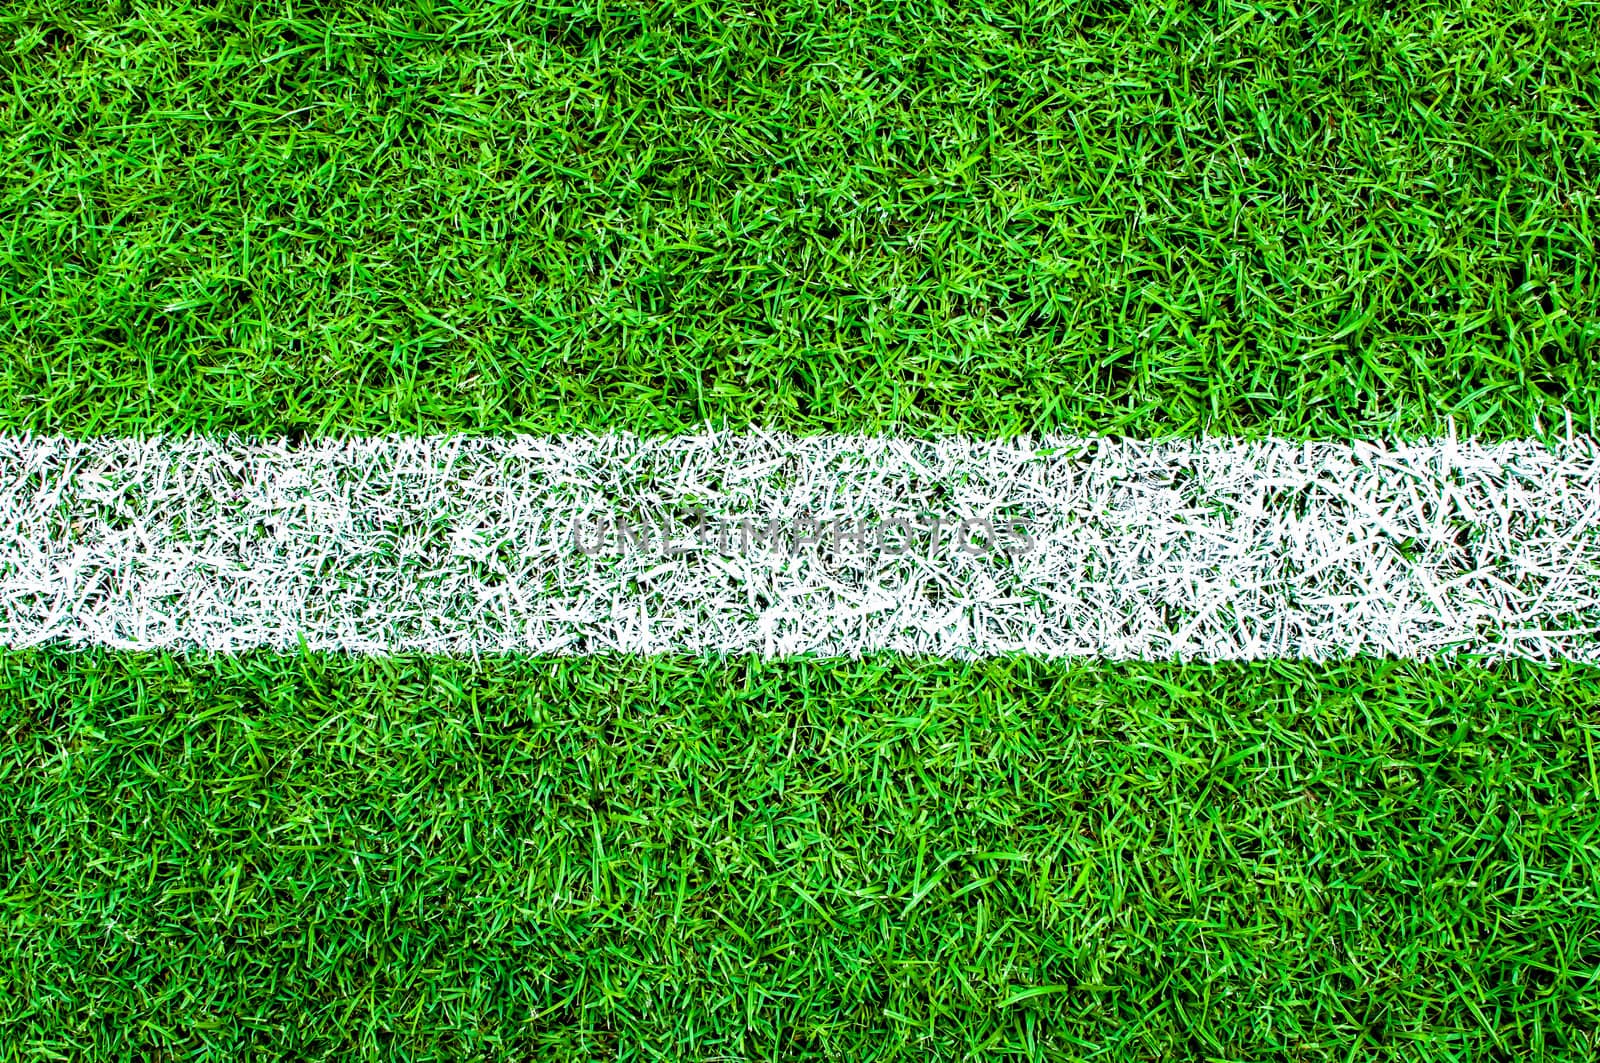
1308,220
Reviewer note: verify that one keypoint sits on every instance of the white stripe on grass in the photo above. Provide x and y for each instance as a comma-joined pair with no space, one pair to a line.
1210,549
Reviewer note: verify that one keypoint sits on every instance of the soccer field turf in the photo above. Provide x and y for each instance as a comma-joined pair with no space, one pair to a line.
1310,222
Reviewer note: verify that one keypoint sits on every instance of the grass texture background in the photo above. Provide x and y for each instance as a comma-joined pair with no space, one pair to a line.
896,859
1312,219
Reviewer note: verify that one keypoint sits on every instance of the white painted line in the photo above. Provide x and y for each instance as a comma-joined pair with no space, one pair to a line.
1210,549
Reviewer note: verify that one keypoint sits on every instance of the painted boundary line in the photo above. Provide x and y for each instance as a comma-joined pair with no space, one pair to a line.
1210,548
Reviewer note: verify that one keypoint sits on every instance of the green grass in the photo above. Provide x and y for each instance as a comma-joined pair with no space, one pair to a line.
322,858
1307,218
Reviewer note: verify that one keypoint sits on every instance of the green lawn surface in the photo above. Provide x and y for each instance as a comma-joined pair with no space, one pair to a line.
315,857
1310,219
1314,219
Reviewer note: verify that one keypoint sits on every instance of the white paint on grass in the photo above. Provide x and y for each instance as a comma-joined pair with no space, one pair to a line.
1211,549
